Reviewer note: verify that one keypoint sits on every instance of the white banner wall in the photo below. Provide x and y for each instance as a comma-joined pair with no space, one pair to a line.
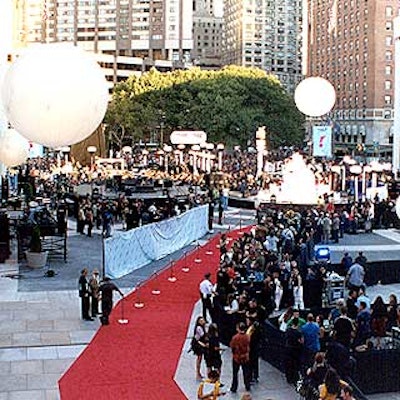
128,251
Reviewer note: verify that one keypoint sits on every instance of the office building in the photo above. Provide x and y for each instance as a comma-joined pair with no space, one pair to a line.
207,34
350,43
127,35
265,34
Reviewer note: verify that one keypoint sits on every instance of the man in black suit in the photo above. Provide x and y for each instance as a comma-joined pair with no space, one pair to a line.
106,292
84,294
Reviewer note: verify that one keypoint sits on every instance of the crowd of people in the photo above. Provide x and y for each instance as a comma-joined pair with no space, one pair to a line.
270,272
57,178
261,276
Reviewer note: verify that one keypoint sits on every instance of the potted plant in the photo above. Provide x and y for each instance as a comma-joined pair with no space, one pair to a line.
35,257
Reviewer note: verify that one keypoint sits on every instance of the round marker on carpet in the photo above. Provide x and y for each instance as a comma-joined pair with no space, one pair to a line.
172,278
123,320
138,303
185,267
156,291
209,253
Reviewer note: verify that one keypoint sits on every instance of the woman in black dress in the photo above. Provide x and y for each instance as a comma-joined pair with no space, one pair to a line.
393,313
379,317
213,353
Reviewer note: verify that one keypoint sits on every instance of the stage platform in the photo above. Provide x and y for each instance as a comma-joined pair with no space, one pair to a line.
237,201
382,249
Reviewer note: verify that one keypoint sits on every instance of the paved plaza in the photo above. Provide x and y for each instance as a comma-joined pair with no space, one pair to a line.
41,332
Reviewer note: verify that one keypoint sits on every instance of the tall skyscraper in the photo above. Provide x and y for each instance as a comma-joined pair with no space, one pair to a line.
207,33
265,34
350,43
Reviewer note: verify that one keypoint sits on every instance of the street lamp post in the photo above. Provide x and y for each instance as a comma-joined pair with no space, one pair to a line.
181,147
195,149
260,145
160,154
210,148
176,153
366,169
65,150
220,148
337,169
356,170
145,153
203,147
162,125
376,169
161,134
91,150
127,150
167,151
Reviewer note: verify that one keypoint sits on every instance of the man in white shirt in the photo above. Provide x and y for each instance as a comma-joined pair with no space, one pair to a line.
271,242
206,291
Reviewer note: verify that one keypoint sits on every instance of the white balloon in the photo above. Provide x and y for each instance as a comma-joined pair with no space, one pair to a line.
55,94
315,96
14,148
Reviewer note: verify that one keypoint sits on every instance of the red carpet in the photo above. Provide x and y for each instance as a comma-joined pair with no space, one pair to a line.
138,361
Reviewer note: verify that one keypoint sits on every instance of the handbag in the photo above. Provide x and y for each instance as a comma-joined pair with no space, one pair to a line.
194,346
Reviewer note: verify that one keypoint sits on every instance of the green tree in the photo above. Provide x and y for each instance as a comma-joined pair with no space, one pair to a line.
229,104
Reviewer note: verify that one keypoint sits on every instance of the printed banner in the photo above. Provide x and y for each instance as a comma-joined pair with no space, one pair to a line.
322,141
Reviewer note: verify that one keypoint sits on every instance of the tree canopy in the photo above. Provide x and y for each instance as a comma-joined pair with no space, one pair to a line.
228,104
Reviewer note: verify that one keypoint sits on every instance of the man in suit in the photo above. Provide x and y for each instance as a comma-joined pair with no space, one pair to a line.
84,294
106,292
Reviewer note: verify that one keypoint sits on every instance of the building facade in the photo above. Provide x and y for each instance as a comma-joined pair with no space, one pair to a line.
265,34
207,34
130,35
350,43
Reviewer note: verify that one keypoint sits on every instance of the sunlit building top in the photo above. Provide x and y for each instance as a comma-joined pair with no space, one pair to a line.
265,34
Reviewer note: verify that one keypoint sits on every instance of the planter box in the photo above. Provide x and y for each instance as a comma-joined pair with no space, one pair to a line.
36,260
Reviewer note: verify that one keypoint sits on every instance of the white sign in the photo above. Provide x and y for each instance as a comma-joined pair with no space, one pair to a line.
322,141
188,137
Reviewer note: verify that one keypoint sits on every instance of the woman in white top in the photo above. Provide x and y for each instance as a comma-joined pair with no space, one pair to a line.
297,285
232,304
